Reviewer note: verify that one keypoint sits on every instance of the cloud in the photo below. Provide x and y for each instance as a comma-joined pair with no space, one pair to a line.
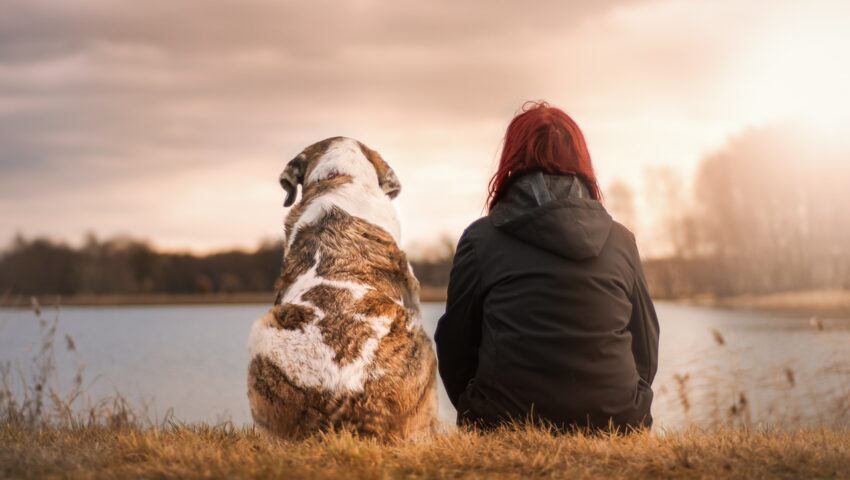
125,112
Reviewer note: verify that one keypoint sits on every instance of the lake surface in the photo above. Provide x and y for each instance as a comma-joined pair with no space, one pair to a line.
715,365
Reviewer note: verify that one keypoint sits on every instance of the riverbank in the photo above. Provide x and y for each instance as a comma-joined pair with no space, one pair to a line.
427,294
824,303
201,451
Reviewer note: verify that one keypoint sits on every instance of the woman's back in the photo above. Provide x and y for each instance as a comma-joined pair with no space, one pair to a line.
548,313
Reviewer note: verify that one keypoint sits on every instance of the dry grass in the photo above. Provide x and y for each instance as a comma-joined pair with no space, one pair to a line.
31,396
222,452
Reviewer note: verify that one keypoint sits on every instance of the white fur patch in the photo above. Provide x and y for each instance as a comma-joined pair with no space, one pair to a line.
361,198
311,278
303,354
344,157
308,361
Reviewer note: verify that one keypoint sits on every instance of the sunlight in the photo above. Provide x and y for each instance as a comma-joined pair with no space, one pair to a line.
798,65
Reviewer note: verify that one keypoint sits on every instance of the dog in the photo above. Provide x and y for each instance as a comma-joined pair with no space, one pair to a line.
343,347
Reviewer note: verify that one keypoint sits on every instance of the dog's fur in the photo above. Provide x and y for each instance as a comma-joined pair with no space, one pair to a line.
342,348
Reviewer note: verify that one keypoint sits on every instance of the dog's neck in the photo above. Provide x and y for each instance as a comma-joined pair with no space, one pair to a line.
357,197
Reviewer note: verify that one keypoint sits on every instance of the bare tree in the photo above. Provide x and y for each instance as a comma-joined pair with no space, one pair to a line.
620,202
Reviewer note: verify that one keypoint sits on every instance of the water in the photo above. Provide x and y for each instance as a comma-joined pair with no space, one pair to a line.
770,368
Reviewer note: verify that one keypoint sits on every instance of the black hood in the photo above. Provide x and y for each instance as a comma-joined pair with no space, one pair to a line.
555,213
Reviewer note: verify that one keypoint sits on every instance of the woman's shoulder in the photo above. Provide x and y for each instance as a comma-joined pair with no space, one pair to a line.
621,232
623,240
480,224
478,230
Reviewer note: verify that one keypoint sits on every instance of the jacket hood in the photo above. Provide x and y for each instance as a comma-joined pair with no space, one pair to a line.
555,213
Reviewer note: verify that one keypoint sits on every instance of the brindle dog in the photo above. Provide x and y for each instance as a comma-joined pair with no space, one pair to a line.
343,347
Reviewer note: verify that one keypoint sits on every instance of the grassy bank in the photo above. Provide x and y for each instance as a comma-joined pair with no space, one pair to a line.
204,452
827,303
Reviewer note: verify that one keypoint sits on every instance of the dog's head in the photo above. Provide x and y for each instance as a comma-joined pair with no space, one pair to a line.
333,157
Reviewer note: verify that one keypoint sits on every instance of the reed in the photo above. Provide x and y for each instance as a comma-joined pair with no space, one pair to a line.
32,397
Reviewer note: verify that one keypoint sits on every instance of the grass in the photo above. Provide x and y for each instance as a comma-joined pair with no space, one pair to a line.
200,451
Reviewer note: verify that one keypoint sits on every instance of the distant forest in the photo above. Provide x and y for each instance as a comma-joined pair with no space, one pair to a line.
129,266
767,213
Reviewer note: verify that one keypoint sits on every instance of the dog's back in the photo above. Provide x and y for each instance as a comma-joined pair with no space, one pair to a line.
342,347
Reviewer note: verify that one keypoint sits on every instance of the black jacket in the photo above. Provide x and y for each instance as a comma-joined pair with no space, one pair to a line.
548,315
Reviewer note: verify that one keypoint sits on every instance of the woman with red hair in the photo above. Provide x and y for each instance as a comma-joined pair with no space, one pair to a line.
548,315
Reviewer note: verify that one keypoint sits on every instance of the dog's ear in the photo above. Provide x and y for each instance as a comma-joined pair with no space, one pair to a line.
387,178
291,177
389,183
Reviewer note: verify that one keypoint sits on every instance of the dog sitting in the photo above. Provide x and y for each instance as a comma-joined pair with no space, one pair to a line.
343,347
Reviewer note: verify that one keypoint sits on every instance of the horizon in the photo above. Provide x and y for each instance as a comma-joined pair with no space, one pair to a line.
123,119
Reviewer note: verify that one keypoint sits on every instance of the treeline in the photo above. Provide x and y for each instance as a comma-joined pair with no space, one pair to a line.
128,266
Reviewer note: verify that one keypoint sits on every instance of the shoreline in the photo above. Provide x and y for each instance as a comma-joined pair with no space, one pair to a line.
427,294
814,303
824,303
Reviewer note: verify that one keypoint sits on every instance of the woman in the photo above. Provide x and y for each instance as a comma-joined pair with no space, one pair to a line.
548,316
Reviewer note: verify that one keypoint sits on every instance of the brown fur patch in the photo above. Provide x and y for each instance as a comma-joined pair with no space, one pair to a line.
309,193
341,329
351,249
279,405
375,304
382,168
314,152
392,408
290,316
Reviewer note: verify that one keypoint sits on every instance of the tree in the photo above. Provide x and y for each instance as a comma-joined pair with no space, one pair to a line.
620,202
771,209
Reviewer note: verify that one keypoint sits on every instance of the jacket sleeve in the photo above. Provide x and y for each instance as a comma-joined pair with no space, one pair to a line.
644,328
458,334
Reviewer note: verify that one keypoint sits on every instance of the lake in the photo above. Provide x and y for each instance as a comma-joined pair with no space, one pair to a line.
715,366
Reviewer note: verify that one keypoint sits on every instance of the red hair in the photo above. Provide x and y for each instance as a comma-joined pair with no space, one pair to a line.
542,138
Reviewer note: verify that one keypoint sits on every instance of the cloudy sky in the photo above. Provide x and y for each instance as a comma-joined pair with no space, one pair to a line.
170,121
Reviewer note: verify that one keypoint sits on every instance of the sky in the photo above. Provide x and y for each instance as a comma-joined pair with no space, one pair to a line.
171,121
